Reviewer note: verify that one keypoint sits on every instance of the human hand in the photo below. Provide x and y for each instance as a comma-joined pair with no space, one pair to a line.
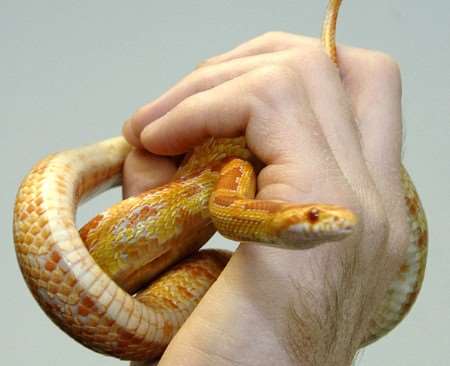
325,135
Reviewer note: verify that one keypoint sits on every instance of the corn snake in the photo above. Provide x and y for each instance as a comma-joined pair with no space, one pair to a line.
81,298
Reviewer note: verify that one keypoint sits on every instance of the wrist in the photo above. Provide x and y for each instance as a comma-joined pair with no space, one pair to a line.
250,316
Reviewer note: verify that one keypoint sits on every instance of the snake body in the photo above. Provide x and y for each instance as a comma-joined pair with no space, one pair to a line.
86,280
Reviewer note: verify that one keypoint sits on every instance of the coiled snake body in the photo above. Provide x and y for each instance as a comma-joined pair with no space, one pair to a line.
83,280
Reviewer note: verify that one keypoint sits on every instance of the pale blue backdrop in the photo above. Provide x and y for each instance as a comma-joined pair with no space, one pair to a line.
72,71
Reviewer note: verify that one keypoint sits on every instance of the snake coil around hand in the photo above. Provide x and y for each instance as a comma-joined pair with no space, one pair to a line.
86,280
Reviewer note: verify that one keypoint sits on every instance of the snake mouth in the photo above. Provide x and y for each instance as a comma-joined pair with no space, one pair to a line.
312,235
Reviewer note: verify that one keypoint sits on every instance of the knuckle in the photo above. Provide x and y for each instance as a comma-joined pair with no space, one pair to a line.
274,82
189,105
201,78
279,40
275,36
295,54
278,75
385,62
308,59
386,69
314,57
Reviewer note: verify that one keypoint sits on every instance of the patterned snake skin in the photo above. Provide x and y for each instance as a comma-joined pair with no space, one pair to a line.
86,281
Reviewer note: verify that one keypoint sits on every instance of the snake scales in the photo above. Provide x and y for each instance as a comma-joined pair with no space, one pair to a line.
83,280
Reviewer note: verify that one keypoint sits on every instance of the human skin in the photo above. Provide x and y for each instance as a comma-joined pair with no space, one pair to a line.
325,135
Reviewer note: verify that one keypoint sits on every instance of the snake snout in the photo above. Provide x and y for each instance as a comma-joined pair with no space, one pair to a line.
308,226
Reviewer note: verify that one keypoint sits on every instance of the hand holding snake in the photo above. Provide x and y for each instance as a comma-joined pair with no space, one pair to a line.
323,135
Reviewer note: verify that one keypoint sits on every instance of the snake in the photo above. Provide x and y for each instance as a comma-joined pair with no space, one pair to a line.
125,282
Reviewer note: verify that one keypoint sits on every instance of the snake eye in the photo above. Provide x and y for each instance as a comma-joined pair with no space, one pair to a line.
313,215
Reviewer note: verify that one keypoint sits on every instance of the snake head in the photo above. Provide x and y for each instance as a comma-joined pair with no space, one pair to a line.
305,226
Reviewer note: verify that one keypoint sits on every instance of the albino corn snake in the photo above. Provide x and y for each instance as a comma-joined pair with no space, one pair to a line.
80,297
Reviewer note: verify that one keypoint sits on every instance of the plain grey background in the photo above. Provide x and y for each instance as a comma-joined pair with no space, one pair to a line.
72,71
